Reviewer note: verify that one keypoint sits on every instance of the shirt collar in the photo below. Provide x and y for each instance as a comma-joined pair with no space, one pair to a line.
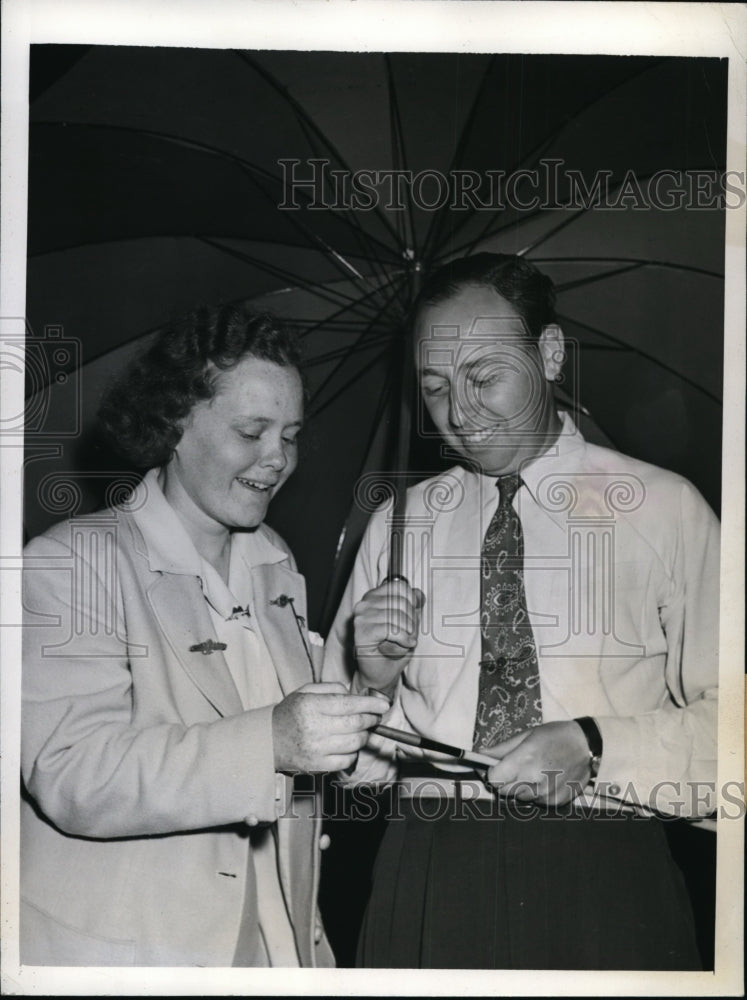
561,456
170,548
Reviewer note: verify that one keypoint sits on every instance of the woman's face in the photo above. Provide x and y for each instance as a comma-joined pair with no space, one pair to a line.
238,448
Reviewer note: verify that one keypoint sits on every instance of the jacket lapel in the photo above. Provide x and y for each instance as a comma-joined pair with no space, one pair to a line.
179,606
287,648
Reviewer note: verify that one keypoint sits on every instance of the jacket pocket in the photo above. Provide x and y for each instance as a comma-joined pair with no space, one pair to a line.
45,940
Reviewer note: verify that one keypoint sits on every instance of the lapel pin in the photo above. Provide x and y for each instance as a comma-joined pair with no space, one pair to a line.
206,647
282,602
239,612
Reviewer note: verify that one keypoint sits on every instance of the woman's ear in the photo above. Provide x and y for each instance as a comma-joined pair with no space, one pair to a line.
552,351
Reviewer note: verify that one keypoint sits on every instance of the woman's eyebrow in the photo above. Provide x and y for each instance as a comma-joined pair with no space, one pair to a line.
246,418
264,421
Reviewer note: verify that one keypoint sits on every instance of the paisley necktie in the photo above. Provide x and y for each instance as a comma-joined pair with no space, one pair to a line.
509,698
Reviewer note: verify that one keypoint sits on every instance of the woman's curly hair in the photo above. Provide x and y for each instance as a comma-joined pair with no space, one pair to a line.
141,415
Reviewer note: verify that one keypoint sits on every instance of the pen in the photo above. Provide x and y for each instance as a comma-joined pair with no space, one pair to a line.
465,756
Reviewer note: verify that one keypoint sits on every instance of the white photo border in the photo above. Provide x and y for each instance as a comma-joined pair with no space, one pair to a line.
681,29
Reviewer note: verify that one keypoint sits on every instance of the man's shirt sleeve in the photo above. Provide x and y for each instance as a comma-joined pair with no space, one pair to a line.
666,759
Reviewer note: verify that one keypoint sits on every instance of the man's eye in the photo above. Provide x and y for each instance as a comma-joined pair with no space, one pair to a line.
483,381
487,375
248,437
290,440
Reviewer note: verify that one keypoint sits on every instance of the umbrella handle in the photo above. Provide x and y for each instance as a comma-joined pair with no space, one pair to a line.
386,647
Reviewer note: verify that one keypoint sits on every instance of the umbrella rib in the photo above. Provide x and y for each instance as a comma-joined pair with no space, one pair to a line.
328,295
399,222
329,319
347,385
532,214
381,405
397,140
304,117
365,242
359,340
251,170
440,216
343,265
589,279
637,261
642,354
543,144
343,352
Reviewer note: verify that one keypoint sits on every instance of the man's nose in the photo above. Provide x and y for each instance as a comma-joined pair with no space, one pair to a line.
460,406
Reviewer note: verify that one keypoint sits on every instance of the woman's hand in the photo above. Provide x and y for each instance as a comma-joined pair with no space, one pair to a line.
546,764
386,623
321,727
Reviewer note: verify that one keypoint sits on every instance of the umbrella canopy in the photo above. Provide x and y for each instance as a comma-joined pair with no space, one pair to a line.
322,185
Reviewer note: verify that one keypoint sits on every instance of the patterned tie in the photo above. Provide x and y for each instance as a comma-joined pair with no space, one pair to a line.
509,698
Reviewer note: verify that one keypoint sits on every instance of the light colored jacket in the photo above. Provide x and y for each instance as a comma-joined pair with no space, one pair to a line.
142,772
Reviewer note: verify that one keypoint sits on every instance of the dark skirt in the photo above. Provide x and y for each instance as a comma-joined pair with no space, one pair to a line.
523,889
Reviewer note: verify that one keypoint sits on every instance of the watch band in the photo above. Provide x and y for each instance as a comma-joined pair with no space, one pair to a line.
594,740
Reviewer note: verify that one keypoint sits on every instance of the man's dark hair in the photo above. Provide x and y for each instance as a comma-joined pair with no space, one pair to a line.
142,413
516,279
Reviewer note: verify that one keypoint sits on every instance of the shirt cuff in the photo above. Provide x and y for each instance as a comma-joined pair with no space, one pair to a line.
267,794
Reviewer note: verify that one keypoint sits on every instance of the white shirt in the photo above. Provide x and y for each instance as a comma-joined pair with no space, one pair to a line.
622,583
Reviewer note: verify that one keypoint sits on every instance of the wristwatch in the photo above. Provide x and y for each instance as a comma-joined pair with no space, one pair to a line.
594,740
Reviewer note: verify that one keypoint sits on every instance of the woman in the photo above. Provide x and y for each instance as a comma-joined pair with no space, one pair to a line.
168,681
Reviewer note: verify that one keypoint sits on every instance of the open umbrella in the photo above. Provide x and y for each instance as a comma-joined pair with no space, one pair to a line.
322,185
164,178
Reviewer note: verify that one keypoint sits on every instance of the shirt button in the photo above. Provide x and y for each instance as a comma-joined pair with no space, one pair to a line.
324,842
251,820
614,789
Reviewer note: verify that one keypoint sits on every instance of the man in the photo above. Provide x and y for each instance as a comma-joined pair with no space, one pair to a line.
559,614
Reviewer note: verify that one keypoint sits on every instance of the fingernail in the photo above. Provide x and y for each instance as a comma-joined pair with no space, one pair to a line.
380,694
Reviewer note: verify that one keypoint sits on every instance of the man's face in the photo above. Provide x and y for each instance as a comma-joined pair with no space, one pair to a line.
486,384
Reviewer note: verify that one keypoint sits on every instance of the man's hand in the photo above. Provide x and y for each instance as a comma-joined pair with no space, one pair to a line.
536,765
386,624
321,727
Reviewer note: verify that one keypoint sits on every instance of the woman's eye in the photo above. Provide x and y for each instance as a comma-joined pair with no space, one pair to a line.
248,437
434,389
290,440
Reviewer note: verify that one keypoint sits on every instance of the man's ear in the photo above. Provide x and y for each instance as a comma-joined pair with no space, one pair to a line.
552,350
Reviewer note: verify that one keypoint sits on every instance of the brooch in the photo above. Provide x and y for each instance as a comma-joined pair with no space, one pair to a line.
283,601
208,646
